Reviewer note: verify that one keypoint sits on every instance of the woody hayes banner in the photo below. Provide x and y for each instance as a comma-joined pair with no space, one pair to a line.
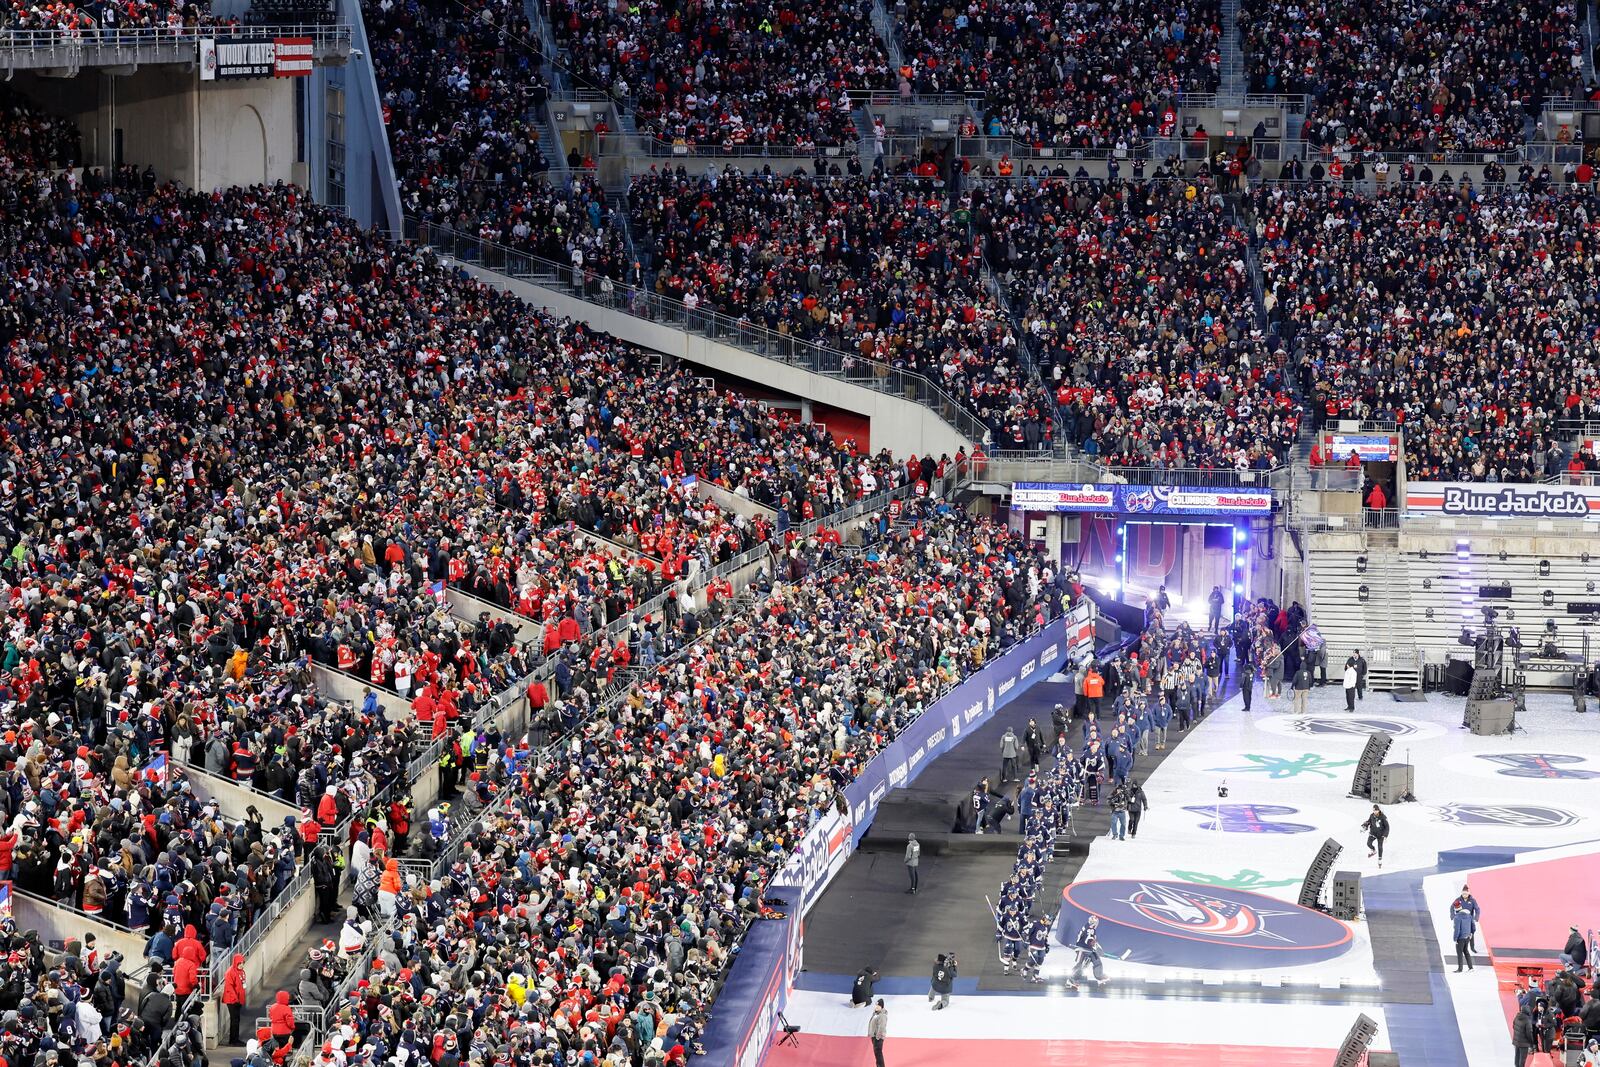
280,57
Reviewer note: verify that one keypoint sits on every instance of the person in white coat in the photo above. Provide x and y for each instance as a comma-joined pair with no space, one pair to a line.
1350,684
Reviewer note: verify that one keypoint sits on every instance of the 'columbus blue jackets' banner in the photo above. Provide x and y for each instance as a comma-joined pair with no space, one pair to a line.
1181,924
1571,502
741,1029
1170,501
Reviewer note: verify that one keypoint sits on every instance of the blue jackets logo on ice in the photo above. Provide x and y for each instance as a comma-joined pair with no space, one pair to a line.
1249,818
1194,911
1540,765
1528,816
1181,923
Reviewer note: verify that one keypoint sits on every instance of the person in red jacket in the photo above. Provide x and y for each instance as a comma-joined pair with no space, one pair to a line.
185,976
328,807
281,1016
233,996
310,834
400,825
190,948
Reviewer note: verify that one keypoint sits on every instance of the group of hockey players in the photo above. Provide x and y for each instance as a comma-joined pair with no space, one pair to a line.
1046,813
1149,691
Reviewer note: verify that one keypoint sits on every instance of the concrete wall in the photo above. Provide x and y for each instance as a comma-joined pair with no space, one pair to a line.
157,110
1218,126
233,799
466,606
55,923
605,544
337,685
899,424
733,502
246,132
204,135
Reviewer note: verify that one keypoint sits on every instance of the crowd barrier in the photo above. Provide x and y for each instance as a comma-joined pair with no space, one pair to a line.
757,990
745,1023
967,707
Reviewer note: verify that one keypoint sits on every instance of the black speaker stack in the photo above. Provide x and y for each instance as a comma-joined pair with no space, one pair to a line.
1458,677
1356,1042
1345,899
1371,759
1317,874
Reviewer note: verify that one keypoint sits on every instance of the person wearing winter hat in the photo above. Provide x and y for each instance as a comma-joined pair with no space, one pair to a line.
233,995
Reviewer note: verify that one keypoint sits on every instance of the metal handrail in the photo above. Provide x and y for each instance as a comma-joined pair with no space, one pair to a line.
1015,467
324,34
892,98
644,304
249,939
1513,155
650,144
1295,102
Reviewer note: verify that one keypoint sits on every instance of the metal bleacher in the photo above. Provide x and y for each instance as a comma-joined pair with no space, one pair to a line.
1407,606
1362,600
1445,588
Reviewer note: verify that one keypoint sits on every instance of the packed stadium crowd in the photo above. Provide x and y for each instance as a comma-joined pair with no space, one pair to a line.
728,74
69,17
1137,299
242,440
875,265
1066,73
199,501
463,87
593,909
1405,75
1466,316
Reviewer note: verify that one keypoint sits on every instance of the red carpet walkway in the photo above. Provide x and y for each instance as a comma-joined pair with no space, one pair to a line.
1528,907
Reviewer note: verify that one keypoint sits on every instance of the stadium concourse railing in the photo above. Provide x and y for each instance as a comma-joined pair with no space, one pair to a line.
94,46
644,304
1535,152
1005,467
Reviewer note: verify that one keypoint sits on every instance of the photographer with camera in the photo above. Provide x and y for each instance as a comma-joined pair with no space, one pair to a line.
943,982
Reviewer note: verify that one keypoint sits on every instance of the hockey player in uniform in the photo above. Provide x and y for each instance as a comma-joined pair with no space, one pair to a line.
1088,946
1038,948
1011,938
